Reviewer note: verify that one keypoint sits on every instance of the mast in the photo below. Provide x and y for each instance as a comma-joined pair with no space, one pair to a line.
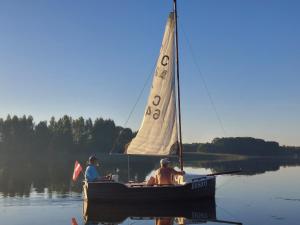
178,88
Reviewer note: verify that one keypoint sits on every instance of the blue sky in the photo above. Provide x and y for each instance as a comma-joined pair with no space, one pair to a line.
91,59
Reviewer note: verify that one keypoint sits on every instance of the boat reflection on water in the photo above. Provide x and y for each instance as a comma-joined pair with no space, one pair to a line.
161,214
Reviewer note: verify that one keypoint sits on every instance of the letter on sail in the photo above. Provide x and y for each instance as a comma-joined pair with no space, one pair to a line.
158,132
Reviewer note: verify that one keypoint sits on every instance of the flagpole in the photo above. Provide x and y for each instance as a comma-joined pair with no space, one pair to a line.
128,168
178,89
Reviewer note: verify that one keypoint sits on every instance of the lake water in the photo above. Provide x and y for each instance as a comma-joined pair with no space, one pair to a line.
259,196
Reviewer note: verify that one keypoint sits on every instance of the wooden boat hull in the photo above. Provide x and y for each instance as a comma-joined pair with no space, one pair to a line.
118,192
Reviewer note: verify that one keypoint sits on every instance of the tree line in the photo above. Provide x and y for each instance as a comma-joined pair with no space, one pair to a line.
20,135
243,146
66,135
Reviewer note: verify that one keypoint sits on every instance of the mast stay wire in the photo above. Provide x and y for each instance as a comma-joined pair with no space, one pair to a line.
140,95
134,106
203,81
129,116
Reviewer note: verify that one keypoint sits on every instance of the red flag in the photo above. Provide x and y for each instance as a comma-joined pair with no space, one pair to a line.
74,222
77,170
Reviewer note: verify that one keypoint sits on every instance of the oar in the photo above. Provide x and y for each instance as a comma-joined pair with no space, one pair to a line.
226,172
225,221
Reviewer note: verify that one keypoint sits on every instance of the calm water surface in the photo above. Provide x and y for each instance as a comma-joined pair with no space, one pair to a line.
270,197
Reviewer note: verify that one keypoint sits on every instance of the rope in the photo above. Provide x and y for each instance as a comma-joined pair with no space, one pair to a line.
128,168
134,106
203,81
139,96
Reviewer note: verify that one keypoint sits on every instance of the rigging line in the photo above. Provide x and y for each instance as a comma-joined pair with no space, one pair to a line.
204,82
128,168
140,95
134,106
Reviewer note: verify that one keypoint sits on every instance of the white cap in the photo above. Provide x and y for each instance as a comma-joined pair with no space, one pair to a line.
164,161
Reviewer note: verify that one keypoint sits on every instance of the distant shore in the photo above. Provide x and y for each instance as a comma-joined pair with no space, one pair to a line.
68,137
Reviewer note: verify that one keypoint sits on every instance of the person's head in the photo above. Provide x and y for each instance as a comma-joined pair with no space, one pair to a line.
93,160
164,162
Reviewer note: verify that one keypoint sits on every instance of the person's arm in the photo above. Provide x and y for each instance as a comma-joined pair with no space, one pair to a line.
174,172
156,181
108,177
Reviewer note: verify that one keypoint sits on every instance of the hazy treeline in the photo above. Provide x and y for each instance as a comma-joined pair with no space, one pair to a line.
243,146
20,135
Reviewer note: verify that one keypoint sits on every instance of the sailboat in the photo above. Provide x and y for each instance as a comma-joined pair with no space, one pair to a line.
159,134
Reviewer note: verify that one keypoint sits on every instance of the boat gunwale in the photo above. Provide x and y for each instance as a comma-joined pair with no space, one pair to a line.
133,186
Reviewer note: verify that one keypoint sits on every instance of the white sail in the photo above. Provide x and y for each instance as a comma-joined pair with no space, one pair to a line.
158,132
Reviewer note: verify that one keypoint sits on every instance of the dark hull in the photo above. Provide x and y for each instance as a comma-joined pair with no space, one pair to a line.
118,192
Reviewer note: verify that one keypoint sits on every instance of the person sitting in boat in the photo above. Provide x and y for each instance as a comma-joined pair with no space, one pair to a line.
165,174
164,221
91,173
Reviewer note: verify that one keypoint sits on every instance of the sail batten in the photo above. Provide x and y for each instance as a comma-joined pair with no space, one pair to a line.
158,133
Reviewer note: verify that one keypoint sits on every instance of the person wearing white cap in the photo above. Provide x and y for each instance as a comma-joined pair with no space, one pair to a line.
164,175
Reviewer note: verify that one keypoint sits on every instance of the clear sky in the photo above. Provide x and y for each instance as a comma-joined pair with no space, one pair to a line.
91,58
